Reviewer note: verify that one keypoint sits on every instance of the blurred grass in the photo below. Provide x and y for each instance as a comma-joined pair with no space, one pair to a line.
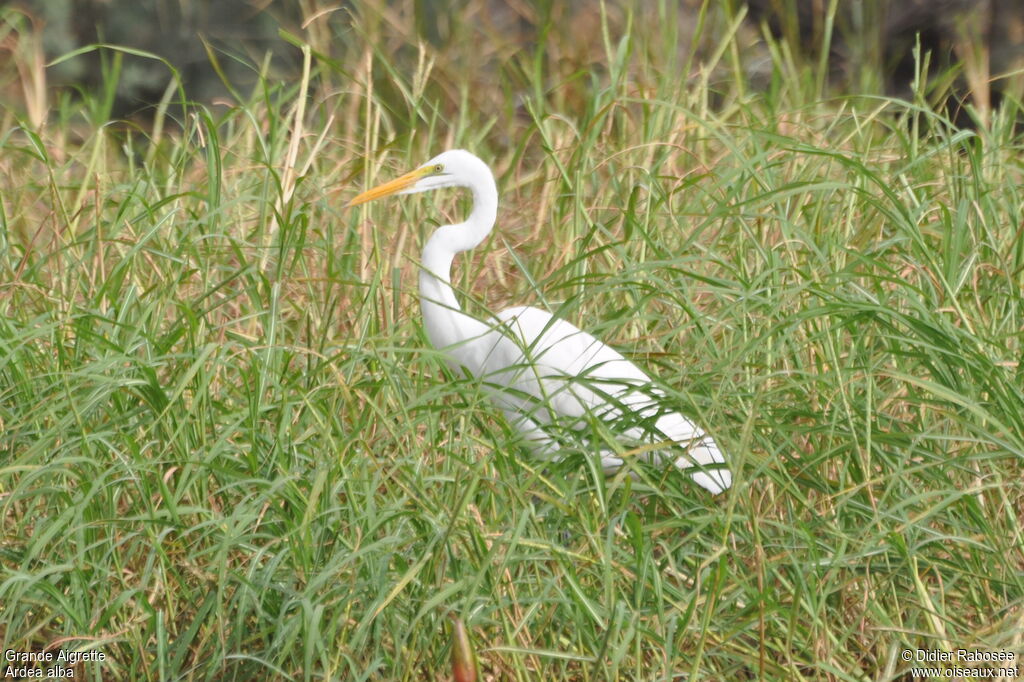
229,453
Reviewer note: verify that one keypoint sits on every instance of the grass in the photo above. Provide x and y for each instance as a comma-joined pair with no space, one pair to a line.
228,451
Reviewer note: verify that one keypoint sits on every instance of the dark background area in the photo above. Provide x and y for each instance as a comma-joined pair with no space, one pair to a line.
973,46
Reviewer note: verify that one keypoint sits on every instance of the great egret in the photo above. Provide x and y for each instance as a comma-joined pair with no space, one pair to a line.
543,372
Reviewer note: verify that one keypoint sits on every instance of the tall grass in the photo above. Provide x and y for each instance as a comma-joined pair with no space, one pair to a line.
228,451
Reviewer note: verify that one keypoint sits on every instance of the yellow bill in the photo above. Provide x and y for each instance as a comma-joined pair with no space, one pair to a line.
392,187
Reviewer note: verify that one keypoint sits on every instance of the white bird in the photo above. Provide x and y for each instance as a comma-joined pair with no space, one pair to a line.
551,379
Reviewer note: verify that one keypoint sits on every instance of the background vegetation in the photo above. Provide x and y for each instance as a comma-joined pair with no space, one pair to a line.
228,452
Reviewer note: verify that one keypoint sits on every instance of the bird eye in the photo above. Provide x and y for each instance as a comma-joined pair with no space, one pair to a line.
438,168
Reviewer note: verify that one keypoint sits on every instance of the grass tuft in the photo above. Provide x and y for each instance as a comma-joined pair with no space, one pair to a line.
228,452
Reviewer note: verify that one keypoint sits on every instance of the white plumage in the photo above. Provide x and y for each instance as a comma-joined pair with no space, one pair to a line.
549,377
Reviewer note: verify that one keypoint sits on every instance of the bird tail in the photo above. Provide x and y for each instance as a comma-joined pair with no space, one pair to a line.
701,451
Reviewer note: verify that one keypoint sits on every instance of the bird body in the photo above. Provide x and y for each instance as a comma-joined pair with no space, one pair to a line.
548,376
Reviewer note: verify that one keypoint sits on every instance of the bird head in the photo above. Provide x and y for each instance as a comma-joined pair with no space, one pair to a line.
453,168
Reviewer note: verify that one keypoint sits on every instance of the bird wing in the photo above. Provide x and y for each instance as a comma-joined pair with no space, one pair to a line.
572,374
548,375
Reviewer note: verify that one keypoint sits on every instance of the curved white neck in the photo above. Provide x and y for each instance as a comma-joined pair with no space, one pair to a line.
443,318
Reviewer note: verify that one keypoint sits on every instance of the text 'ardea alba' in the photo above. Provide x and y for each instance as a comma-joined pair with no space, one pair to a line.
550,378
